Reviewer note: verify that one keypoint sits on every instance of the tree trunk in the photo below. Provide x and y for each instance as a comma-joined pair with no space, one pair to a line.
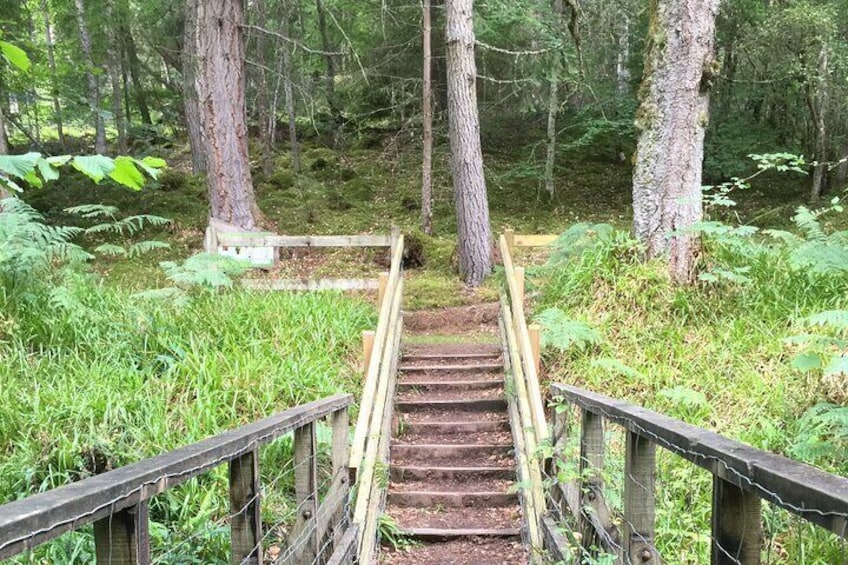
54,81
93,81
330,77
190,102
819,114
263,108
427,111
223,112
553,100
672,119
622,59
135,74
4,150
114,64
842,169
289,92
472,207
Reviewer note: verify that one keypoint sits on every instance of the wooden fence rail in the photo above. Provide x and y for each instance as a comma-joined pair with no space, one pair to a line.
116,501
742,477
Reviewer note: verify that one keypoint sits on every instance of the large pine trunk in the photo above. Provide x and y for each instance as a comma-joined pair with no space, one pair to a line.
472,207
220,83
673,117
427,118
93,81
190,103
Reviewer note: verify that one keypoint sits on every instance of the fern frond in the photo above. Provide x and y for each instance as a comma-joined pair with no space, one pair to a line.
143,247
111,249
563,333
93,211
808,222
837,319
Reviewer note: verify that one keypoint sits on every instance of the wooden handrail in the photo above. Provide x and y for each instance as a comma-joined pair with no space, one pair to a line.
739,471
117,500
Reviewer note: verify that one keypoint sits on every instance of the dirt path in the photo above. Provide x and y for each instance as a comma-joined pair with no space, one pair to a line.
452,471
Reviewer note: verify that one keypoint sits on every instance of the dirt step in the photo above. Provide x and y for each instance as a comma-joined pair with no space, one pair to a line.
446,349
441,414
465,550
453,438
442,377
498,518
437,357
410,425
489,455
459,483
455,386
479,367
434,394
451,405
430,498
413,473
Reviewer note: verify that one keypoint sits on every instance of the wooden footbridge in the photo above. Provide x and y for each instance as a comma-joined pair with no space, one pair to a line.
457,450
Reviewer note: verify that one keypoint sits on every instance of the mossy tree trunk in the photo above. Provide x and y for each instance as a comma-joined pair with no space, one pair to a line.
818,104
427,118
220,86
190,102
672,119
472,206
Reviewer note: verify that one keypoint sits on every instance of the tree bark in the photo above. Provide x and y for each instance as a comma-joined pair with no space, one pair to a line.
135,74
472,207
622,59
54,81
190,101
289,93
553,100
114,64
672,119
93,81
263,102
819,106
330,77
427,118
842,168
220,85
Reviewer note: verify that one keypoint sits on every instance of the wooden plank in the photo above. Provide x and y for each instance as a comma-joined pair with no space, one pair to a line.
559,550
559,442
246,521
32,521
346,550
367,348
341,461
382,283
269,240
509,237
331,510
369,390
309,284
519,285
303,538
819,497
591,478
639,501
534,240
524,348
535,332
737,525
123,538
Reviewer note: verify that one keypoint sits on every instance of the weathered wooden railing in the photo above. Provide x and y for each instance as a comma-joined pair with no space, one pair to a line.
117,501
743,477
262,250
521,347
369,453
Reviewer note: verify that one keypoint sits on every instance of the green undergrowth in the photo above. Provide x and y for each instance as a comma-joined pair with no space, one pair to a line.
722,354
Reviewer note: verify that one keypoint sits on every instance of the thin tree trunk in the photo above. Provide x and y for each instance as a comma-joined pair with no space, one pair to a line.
264,113
842,168
472,207
36,122
135,74
54,81
4,149
289,92
819,115
427,111
672,117
93,82
114,65
190,101
331,64
223,112
622,59
553,100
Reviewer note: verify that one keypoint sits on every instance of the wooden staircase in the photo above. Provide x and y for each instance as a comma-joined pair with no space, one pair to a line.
452,467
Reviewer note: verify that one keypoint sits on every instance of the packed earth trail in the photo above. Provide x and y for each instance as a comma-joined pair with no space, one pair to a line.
452,468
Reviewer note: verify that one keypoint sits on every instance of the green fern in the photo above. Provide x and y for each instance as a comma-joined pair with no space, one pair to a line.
564,333
822,435
578,239
205,270
837,319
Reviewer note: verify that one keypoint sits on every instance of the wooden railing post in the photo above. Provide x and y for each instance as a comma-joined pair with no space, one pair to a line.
303,540
639,501
591,480
341,460
559,442
123,538
367,348
535,332
246,522
737,525
510,239
519,285
382,283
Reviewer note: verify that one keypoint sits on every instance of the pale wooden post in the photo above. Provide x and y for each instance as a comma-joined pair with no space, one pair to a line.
559,441
639,501
246,522
382,283
395,237
341,460
509,235
591,479
737,525
519,285
536,345
123,537
303,540
367,348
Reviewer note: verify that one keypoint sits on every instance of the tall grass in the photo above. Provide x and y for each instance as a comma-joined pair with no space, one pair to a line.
713,354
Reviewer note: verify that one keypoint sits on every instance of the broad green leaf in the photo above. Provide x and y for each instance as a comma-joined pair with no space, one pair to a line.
807,362
151,166
15,55
48,172
58,160
154,162
95,167
33,179
19,166
837,366
125,173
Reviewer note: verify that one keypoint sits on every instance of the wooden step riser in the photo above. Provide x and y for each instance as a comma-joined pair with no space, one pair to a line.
452,499
458,357
444,534
411,428
400,473
446,451
480,368
452,386
481,405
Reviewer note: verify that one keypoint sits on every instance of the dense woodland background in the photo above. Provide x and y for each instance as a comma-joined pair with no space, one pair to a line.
120,307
